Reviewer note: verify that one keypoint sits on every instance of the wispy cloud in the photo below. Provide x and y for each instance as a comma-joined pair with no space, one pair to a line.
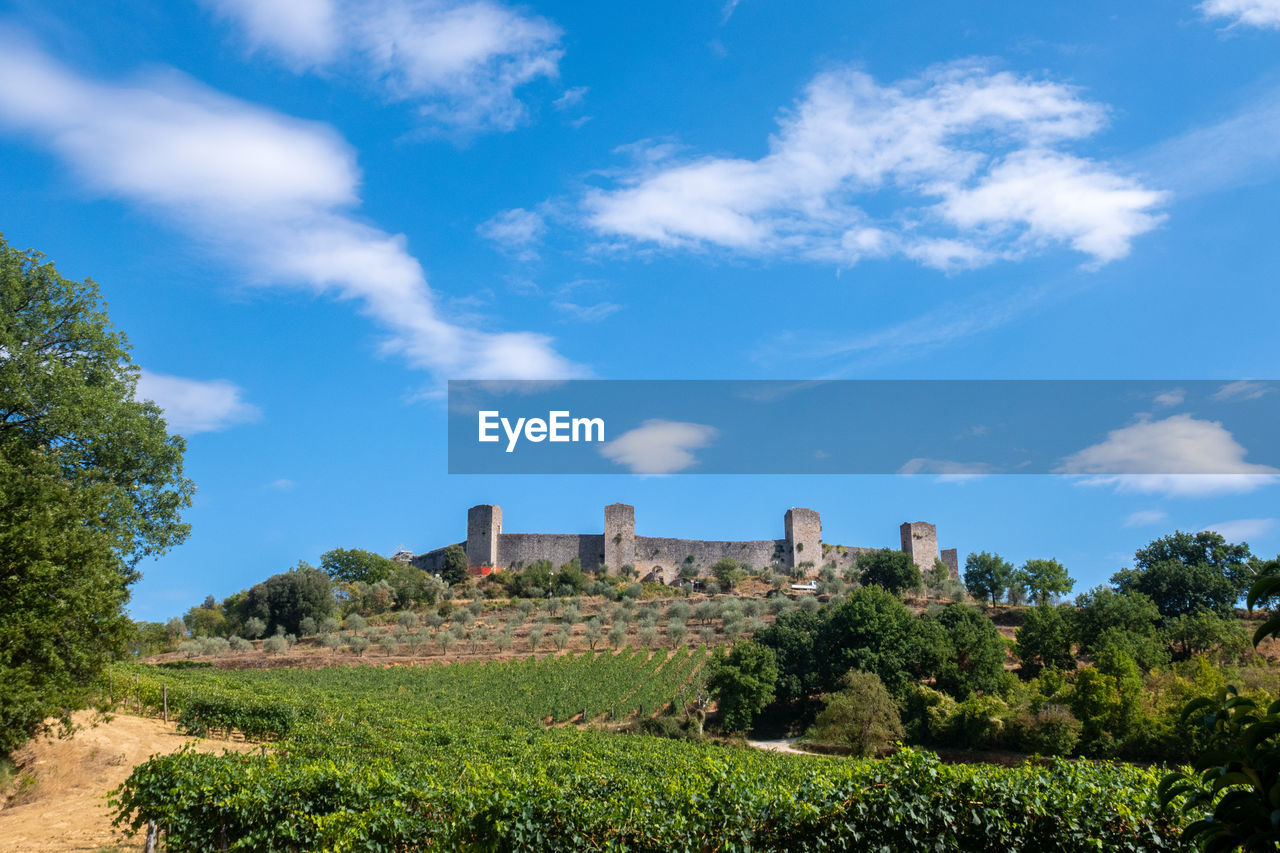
283,484
516,232
1236,150
659,446
1243,528
587,313
1179,456
459,61
1146,518
268,193
947,471
1172,397
571,97
1249,13
967,161
1242,390
196,405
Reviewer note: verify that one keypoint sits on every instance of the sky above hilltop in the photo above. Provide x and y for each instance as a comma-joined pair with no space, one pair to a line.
308,215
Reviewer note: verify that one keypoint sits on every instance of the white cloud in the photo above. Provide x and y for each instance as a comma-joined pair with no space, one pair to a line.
460,61
1178,456
196,405
517,232
269,193
304,32
965,162
1251,13
1241,390
587,313
1172,397
284,484
1146,518
571,98
1243,528
1237,150
947,471
659,446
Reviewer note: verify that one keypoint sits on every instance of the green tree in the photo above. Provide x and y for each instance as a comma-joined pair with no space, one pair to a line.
971,655
1176,587
872,631
743,683
454,566
987,576
1044,640
893,570
727,571
91,482
1045,579
284,600
355,564
792,639
861,715
1105,617
1206,548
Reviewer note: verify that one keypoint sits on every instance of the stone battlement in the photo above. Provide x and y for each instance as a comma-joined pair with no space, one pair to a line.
800,551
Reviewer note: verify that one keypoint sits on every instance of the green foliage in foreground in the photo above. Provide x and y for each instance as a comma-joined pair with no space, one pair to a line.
569,790
1236,794
459,757
91,482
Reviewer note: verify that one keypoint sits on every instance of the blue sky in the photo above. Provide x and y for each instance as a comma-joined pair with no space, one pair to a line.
308,215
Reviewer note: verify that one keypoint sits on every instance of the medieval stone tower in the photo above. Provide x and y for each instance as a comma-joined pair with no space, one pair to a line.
803,531
920,540
619,536
484,526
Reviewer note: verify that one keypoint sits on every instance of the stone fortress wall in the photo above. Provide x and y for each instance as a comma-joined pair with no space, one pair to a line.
801,551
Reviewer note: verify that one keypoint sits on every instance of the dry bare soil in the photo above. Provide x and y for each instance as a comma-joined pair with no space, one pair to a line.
59,801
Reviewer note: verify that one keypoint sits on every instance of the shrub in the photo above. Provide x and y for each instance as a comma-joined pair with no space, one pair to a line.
1052,730
861,715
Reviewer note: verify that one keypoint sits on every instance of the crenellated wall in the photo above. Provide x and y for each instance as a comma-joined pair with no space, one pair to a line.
661,558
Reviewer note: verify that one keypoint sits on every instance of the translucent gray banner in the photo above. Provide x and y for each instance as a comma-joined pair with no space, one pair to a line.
1110,428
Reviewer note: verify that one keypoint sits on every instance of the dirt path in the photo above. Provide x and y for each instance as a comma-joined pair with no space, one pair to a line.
64,807
781,745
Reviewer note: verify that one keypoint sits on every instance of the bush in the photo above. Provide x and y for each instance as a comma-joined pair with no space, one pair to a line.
1052,730
861,715
275,645
1044,640
743,682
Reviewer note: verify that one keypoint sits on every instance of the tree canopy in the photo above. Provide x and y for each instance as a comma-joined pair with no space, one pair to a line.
91,482
893,570
1044,579
356,564
1188,573
987,576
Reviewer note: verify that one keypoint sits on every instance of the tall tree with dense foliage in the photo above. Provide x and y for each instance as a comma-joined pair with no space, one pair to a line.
1178,588
1045,579
743,683
91,482
872,631
1044,640
356,564
454,566
893,570
987,576
971,655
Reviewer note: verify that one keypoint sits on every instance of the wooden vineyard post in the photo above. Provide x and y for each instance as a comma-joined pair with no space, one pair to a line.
164,700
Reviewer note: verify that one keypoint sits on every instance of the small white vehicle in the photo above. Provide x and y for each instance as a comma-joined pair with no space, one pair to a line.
811,586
